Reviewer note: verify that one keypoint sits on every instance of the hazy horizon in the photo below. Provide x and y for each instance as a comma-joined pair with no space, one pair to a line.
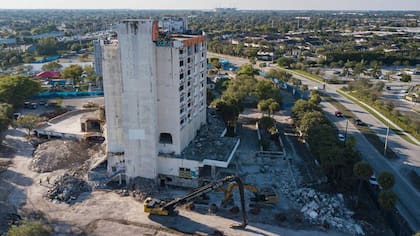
349,5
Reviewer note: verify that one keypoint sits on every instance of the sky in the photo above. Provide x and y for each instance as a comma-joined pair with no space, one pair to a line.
210,4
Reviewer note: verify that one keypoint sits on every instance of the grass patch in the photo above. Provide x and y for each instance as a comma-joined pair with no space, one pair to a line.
309,76
305,74
368,133
395,129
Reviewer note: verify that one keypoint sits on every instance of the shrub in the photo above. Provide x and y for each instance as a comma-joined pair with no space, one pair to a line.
34,228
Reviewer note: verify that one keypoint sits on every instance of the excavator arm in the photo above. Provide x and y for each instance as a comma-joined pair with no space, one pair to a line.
158,207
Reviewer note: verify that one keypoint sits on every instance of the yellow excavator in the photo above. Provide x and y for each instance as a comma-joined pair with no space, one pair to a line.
159,207
266,195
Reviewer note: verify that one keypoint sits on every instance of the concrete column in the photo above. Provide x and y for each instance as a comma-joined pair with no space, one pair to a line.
213,172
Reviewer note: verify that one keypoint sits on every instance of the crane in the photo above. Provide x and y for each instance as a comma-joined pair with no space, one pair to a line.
159,207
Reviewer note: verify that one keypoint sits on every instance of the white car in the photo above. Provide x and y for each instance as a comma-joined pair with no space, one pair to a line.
374,182
341,137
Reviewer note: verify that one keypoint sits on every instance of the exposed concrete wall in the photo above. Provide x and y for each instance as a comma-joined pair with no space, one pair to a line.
139,105
170,166
168,83
112,91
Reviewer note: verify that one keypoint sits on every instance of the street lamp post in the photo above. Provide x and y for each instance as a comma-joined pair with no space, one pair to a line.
386,140
345,134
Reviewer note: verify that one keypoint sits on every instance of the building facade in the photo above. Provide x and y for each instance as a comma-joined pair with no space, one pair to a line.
155,95
97,51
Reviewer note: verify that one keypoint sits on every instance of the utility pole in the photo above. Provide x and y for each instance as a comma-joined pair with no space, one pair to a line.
345,134
386,140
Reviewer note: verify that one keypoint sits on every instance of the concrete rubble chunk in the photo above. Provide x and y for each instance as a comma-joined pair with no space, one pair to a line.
322,208
67,188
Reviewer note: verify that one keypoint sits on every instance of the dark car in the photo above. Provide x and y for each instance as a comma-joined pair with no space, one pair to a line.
95,139
42,103
338,114
357,121
26,105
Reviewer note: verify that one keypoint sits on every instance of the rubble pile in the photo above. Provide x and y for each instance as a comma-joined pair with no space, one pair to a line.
143,188
59,154
67,188
325,209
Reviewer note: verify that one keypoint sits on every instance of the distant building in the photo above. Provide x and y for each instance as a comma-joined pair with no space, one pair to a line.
225,9
97,50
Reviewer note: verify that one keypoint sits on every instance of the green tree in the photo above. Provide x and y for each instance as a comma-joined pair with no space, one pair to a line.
284,61
5,111
315,99
215,62
262,106
52,66
387,199
311,119
47,46
359,69
363,171
73,72
34,228
15,89
90,73
265,89
386,180
300,108
375,69
405,78
273,106
247,69
29,122
75,47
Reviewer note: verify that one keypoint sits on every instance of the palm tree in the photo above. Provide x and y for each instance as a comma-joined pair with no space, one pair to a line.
387,199
386,180
363,171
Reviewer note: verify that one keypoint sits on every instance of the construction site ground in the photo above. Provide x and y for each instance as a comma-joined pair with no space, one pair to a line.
107,212
104,212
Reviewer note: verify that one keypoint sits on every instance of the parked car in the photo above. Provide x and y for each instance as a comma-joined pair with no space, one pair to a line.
16,115
95,139
341,138
42,103
374,182
26,105
338,114
357,121
34,105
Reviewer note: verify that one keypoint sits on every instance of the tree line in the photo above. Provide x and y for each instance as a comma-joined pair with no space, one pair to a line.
246,90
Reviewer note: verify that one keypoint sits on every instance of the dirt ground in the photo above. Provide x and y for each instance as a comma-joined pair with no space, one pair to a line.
106,212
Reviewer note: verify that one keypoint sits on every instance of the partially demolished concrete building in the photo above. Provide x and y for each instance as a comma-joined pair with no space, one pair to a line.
155,102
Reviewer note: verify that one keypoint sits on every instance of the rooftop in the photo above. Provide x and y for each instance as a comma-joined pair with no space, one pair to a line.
209,145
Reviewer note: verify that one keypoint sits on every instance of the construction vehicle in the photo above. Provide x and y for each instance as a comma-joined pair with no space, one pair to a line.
266,195
159,207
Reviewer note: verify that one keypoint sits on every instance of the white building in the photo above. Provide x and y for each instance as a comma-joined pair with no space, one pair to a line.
97,50
155,100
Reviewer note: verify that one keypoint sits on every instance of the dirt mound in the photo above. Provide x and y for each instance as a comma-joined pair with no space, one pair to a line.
143,187
67,188
59,154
